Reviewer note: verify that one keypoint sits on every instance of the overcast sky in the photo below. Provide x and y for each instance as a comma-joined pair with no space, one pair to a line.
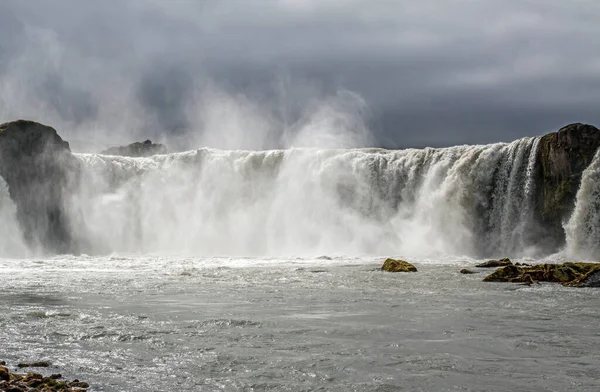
255,73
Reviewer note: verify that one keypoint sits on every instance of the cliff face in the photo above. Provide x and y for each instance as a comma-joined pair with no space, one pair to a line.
562,158
39,169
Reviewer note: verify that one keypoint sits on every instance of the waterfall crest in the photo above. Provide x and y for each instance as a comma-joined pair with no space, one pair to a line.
462,200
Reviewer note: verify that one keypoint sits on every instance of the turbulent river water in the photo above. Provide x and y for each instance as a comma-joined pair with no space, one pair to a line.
232,324
213,281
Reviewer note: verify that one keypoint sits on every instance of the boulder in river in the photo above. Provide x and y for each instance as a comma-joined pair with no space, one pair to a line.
392,265
568,274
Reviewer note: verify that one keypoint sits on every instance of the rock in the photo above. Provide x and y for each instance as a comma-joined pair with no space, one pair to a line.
41,174
143,149
495,263
37,382
79,384
4,374
467,271
34,364
561,159
568,274
391,265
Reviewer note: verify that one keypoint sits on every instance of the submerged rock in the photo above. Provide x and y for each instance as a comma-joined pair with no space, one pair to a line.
143,149
392,265
495,263
568,274
467,271
34,364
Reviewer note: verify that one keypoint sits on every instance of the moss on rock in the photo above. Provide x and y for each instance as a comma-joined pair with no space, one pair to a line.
568,274
393,265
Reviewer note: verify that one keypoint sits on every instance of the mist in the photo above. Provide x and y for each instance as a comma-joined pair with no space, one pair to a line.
271,74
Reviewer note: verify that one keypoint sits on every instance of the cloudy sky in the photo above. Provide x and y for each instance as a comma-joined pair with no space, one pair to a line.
258,73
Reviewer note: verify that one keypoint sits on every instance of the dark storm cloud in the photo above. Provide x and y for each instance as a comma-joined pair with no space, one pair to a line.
431,72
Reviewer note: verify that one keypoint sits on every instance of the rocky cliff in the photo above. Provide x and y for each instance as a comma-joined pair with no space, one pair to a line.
562,158
40,170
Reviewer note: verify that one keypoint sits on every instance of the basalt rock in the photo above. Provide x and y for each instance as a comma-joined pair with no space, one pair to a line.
35,382
561,159
41,172
143,149
568,274
392,265
495,263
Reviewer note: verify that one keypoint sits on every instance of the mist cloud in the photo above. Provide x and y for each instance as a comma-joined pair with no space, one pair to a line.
269,73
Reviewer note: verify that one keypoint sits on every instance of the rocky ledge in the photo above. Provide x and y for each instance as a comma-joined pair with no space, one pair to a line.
143,149
568,274
35,382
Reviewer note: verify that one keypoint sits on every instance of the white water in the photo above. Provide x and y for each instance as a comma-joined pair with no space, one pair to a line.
12,243
583,229
148,323
463,200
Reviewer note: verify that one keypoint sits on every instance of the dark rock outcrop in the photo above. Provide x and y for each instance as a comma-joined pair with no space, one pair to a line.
392,265
495,263
562,158
40,172
143,149
568,274
35,382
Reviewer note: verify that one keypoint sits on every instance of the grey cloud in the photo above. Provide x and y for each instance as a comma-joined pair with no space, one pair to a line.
432,72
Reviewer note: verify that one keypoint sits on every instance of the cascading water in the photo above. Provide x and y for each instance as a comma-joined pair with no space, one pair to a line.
12,243
583,228
460,200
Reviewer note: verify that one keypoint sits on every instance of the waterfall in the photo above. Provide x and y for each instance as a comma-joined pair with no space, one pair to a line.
12,243
462,200
583,228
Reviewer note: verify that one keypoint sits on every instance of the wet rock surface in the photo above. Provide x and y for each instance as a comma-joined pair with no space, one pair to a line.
393,265
35,382
568,274
495,263
41,172
561,159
